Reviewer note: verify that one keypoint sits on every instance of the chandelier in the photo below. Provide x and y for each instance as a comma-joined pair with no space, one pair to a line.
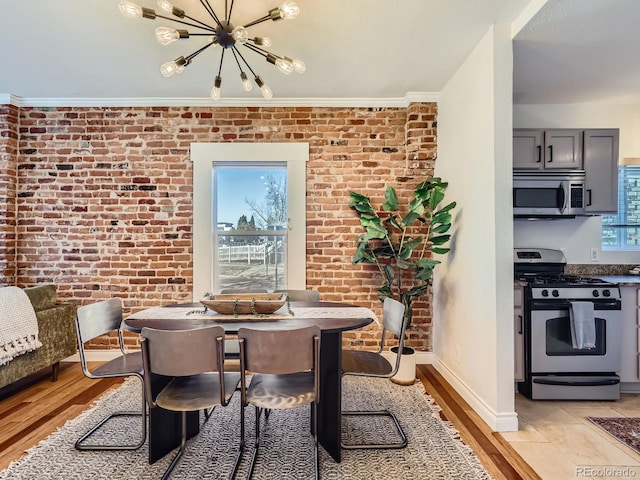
220,34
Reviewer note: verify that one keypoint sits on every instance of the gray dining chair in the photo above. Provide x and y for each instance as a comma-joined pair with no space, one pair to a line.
195,358
301,295
285,374
373,364
93,321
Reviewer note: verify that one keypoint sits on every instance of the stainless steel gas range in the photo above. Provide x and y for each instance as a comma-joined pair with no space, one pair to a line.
572,330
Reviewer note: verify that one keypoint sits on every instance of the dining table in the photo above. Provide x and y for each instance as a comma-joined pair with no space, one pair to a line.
332,318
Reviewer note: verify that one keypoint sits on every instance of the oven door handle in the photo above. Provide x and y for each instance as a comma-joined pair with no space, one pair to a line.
561,304
587,383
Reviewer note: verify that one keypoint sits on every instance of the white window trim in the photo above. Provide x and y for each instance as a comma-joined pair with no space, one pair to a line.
203,155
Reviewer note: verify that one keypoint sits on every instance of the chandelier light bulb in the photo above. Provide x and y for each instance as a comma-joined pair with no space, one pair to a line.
215,91
246,83
298,65
284,66
166,35
263,41
290,10
264,89
240,34
171,68
130,9
166,6
266,92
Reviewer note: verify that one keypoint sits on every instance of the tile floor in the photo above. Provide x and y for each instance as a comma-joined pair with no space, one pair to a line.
558,442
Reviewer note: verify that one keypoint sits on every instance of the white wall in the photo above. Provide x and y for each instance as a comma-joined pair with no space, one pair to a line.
473,290
577,236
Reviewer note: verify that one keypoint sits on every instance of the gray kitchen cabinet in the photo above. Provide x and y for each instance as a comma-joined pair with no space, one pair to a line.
518,318
630,347
538,149
601,169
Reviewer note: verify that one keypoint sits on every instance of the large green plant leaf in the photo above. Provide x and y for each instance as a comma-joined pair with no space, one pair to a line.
393,220
363,254
404,264
441,228
437,195
391,200
416,210
361,203
385,292
440,239
389,274
408,247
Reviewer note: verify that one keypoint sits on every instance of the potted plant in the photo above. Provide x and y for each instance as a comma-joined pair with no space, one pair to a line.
401,244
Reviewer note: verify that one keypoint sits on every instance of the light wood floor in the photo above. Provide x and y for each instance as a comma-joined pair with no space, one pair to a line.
32,410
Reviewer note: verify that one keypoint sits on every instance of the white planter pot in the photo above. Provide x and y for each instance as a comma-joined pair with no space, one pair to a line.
407,372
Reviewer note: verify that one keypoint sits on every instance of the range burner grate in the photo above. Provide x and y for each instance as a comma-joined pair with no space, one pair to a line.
562,279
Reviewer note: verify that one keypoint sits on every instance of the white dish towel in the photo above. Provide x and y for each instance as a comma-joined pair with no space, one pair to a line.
583,325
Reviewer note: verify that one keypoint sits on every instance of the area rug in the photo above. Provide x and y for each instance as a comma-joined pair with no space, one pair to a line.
435,450
625,429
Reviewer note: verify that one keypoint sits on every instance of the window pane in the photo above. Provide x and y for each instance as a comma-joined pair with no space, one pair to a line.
622,231
250,205
256,262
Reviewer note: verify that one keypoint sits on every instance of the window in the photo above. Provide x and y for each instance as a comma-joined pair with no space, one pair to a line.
249,211
622,231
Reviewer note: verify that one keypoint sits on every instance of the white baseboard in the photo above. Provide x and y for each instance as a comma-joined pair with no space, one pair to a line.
95,355
498,422
422,358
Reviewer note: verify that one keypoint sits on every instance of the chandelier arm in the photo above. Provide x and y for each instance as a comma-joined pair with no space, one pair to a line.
230,8
257,50
221,60
209,9
244,60
259,20
202,26
199,51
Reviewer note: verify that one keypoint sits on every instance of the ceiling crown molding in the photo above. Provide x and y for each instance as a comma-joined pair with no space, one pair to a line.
8,99
410,97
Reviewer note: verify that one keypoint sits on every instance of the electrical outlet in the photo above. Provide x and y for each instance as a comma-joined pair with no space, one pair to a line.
594,254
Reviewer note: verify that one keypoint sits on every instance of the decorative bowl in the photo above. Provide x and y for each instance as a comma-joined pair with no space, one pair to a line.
245,303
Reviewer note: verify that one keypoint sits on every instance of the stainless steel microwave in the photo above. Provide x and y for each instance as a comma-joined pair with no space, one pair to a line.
557,194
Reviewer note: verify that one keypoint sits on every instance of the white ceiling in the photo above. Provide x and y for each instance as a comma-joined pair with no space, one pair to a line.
579,51
571,51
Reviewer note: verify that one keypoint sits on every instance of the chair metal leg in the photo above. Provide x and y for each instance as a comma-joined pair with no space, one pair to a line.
316,451
384,413
143,414
257,443
241,446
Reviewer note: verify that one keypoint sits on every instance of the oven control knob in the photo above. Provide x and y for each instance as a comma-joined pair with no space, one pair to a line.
606,292
596,293
545,293
555,293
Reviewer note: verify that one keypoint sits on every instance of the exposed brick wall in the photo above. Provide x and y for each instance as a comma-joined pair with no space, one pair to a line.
9,124
104,198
